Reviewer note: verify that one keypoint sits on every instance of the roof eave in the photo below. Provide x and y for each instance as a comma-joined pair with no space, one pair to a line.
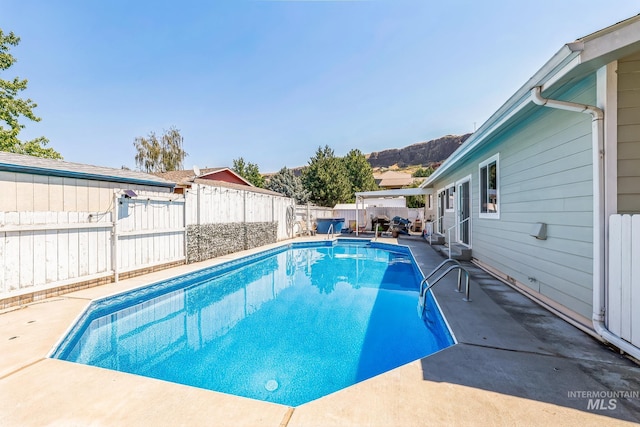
602,47
82,175
416,191
562,62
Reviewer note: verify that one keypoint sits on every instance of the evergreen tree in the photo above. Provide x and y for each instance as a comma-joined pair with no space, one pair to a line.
248,171
423,172
359,172
160,155
285,182
415,201
12,108
326,178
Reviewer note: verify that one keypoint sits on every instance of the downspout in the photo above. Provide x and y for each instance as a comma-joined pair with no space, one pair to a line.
599,238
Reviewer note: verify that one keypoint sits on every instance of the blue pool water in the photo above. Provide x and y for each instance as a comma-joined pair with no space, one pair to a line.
288,326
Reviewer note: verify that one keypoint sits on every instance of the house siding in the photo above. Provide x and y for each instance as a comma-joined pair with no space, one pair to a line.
629,134
545,175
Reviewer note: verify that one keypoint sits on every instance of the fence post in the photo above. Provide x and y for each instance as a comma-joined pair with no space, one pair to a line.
184,225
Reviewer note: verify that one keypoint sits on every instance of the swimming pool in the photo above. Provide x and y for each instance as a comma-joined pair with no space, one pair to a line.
288,325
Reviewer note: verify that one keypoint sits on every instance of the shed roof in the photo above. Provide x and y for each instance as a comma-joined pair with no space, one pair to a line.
21,163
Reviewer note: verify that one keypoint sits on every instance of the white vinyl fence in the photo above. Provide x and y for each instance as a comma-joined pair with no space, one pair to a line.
149,232
47,250
38,248
222,205
623,317
306,215
41,250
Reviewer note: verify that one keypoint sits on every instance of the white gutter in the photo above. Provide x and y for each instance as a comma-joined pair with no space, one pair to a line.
599,238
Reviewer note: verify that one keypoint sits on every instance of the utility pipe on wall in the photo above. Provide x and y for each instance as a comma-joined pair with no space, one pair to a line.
115,265
599,238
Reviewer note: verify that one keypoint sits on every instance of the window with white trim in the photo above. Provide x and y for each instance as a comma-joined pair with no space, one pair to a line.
490,187
429,201
450,198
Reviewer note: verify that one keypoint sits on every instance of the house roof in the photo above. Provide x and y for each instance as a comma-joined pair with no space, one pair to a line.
179,176
20,163
253,189
394,179
573,61
185,177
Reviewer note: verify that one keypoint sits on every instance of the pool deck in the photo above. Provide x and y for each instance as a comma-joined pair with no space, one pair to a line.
515,363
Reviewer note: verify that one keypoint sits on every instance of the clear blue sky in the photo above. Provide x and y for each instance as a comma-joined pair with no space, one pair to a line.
271,81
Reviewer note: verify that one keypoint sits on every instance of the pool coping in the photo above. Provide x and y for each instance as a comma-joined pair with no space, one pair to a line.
44,391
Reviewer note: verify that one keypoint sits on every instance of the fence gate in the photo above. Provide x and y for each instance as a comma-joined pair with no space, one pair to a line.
147,232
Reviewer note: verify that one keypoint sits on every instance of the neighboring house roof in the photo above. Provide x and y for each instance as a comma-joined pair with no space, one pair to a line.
394,179
186,177
20,163
253,189
573,61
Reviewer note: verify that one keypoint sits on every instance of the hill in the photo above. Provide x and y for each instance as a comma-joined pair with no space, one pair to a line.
419,154
428,153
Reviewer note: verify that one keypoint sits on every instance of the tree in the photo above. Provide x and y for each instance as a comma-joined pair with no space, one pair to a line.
12,108
423,172
326,178
248,171
415,201
359,173
160,155
285,182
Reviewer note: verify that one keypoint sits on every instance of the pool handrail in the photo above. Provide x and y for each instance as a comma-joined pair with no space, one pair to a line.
442,264
330,232
424,291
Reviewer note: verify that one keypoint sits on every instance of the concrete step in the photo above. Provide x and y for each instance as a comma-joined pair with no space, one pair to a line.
459,252
436,239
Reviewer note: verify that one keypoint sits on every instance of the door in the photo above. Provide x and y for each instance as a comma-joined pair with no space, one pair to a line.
464,212
441,207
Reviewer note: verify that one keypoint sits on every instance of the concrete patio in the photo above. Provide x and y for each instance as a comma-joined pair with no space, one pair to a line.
515,364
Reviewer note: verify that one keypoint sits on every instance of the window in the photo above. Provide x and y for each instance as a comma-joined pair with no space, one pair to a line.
489,194
450,198
430,201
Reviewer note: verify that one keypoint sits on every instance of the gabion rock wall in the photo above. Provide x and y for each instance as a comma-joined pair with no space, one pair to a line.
213,240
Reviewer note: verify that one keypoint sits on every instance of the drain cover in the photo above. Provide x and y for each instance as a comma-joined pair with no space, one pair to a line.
271,385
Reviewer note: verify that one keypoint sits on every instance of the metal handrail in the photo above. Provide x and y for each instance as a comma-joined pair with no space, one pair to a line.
422,299
449,238
442,264
439,219
330,232
449,233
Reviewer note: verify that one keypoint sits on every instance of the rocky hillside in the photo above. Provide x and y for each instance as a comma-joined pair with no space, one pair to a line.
422,153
